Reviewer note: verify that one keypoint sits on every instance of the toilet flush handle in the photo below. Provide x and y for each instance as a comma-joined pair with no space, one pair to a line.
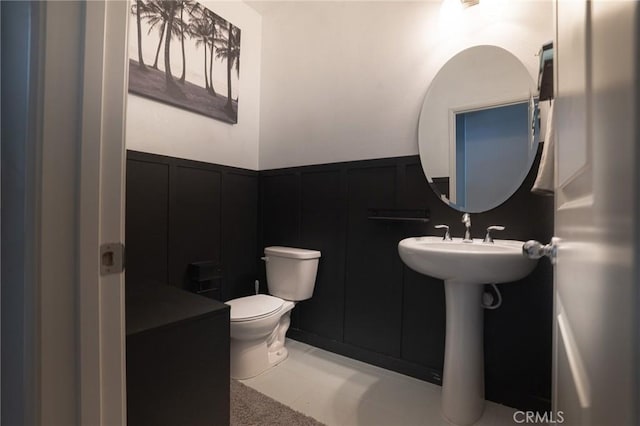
265,258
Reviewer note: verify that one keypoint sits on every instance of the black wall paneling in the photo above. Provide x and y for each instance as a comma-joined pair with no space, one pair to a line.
366,304
181,212
280,196
239,233
194,221
369,306
372,298
322,227
147,220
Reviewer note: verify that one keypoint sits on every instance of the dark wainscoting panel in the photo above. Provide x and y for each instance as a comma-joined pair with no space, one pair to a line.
180,211
147,220
373,297
280,209
194,221
322,227
239,233
369,306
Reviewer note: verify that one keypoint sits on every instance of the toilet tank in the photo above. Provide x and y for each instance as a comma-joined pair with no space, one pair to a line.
291,272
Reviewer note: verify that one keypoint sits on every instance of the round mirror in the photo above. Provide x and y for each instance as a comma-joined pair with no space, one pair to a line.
477,134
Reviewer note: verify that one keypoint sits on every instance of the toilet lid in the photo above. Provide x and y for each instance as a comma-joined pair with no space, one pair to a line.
253,307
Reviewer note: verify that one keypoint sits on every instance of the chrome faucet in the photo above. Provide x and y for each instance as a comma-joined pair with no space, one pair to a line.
466,219
488,238
447,235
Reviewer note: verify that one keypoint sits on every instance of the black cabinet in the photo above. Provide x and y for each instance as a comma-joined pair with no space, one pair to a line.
177,357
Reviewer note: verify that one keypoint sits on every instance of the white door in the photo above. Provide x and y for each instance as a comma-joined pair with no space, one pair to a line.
595,374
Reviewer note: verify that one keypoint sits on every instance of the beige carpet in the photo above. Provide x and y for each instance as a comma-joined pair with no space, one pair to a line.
251,408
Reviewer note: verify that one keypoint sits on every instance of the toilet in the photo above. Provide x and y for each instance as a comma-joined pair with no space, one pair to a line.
259,322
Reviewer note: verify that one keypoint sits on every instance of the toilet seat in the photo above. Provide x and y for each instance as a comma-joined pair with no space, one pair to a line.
254,307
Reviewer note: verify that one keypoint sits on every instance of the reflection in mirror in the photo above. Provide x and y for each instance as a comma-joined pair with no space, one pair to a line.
489,143
476,137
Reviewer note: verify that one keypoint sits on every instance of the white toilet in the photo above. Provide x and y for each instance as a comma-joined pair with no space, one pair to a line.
259,323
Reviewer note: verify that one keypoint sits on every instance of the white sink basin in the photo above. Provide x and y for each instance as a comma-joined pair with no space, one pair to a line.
474,263
461,265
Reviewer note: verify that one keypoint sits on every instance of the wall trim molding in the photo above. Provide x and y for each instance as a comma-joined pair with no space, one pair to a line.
183,162
359,164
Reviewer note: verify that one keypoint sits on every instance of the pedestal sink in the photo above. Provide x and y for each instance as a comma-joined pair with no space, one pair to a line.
464,267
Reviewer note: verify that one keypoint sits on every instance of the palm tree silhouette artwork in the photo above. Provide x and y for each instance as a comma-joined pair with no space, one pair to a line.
155,18
183,36
183,28
138,9
232,55
200,28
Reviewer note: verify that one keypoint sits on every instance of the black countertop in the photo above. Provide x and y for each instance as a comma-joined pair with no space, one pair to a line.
150,305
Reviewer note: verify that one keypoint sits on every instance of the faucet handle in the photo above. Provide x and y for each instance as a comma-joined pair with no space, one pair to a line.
488,238
447,236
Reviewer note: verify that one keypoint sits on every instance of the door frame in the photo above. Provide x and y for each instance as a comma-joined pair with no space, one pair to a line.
102,396
67,185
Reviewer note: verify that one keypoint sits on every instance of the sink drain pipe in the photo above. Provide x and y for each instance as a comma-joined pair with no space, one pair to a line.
489,300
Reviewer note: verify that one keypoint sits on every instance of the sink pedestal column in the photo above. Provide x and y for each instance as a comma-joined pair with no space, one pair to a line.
463,376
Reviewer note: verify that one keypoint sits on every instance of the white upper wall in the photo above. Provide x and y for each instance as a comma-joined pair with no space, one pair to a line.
331,81
345,80
159,128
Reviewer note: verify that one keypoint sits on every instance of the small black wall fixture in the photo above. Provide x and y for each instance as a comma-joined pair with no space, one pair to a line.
206,278
399,215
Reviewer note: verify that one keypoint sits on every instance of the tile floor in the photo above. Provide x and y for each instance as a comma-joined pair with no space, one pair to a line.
341,391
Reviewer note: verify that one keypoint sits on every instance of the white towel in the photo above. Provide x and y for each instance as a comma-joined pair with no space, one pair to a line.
545,180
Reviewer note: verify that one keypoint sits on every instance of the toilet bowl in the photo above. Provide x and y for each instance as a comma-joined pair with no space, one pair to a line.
259,323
